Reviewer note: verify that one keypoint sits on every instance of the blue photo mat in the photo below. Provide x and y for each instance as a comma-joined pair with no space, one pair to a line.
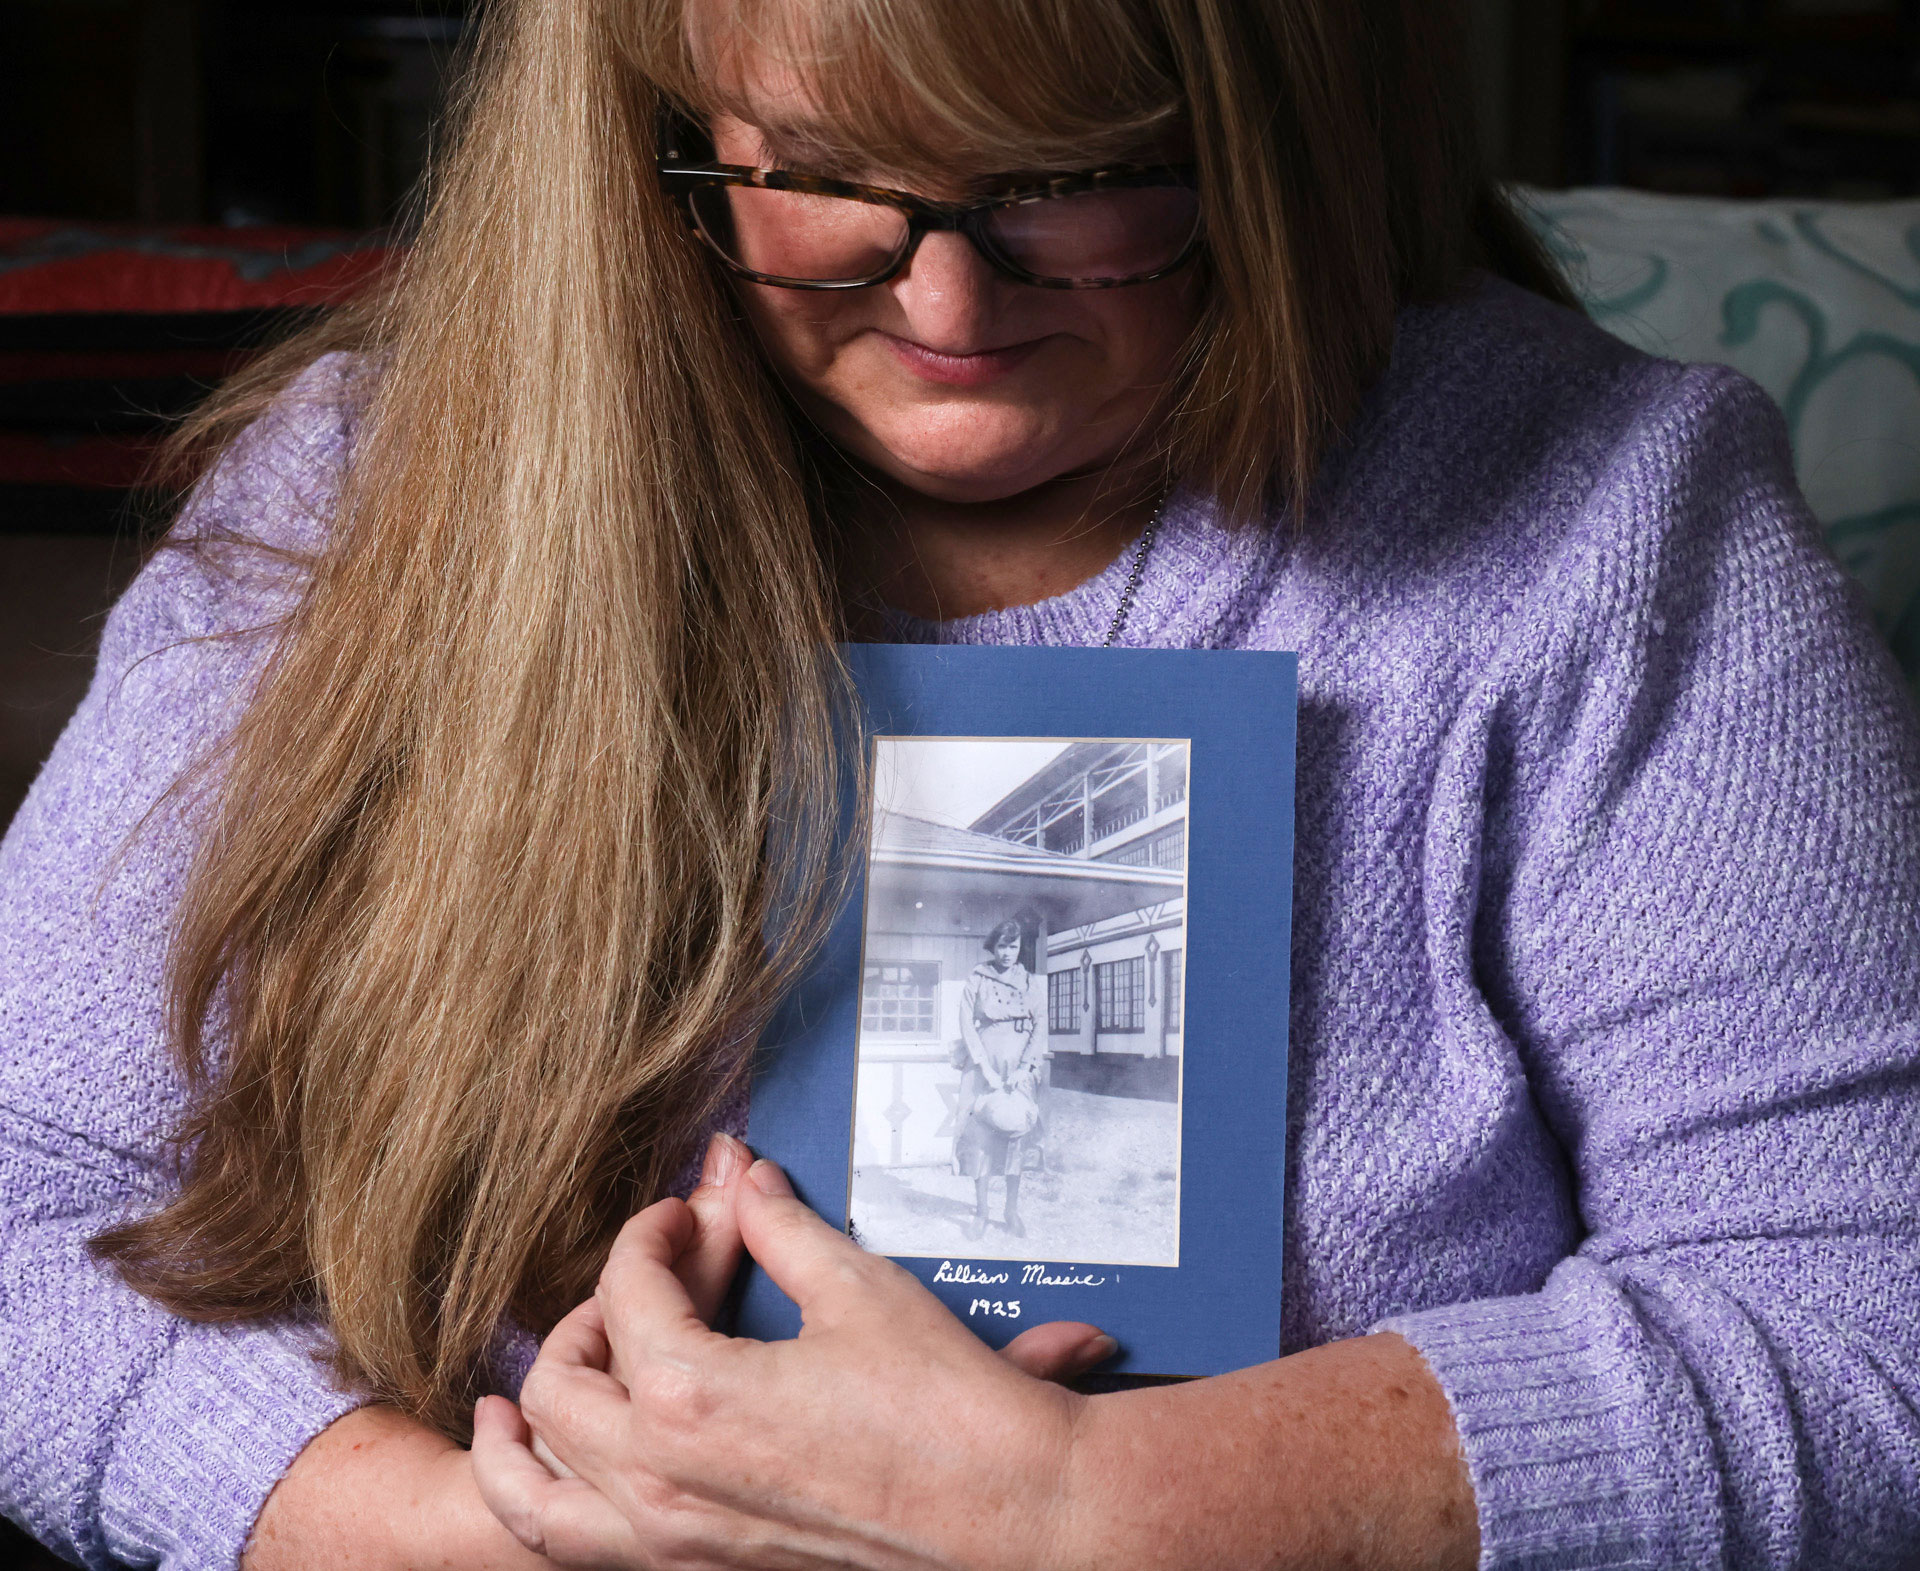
1219,1308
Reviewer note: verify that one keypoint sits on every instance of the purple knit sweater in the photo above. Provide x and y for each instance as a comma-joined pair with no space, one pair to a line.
1606,978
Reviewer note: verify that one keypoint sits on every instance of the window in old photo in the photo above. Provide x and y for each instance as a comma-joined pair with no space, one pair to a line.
1022,1001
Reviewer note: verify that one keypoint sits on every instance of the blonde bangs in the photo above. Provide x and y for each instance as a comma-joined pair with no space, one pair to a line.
922,90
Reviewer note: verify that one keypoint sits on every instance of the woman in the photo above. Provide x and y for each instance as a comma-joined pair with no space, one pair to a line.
999,1102
1603,1051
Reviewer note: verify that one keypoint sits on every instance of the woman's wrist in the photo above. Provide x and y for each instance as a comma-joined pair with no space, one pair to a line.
459,1531
1285,1465
376,1491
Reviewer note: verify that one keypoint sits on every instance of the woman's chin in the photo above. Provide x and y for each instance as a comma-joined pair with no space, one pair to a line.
974,477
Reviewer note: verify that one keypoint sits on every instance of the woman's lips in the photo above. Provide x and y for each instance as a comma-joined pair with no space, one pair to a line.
969,370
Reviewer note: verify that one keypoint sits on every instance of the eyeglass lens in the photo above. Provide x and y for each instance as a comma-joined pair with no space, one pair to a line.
796,234
1097,236
1092,237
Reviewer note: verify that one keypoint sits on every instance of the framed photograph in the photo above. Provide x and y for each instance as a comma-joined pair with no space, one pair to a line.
1041,1059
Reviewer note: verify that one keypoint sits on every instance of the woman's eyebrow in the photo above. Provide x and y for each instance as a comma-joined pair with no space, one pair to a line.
795,146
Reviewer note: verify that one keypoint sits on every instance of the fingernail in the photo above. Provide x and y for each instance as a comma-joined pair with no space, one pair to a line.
1100,1349
768,1179
725,1158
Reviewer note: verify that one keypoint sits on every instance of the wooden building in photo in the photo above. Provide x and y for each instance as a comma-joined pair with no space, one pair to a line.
934,893
1115,984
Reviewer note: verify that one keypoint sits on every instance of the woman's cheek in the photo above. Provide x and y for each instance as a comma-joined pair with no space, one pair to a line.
803,331
1146,327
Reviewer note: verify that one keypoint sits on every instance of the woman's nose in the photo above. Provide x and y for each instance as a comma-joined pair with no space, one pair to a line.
949,293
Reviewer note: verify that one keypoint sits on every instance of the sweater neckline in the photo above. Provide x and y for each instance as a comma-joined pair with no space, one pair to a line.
1193,581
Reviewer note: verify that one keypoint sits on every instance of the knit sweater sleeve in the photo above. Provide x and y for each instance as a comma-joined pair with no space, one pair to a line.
1702,936
128,1435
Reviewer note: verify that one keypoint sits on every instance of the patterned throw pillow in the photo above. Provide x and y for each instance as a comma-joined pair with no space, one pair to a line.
1820,304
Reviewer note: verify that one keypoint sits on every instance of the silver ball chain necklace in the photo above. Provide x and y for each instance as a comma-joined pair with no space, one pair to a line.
1140,551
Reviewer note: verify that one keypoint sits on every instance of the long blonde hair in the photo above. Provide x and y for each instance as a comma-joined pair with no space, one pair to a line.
524,830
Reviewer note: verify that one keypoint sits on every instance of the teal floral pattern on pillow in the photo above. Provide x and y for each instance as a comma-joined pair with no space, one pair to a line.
1820,304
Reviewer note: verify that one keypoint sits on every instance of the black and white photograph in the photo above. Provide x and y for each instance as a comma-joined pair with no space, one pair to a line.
1022,1001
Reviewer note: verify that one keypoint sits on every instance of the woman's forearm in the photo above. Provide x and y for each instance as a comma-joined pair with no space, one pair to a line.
970,1035
1344,1455
376,1491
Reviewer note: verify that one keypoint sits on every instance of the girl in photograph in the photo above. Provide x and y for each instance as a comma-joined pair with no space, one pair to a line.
999,1106
454,802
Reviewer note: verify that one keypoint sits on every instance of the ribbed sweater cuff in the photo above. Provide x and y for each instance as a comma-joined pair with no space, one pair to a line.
203,1440
1568,1423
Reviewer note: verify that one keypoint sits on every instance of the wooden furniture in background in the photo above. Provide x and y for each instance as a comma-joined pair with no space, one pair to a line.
1745,98
167,164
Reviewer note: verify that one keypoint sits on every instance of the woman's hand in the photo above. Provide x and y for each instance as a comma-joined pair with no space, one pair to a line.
710,1254
886,1436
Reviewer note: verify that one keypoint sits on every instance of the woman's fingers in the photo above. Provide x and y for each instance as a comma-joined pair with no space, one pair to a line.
707,1267
578,1342
643,1301
582,1417
1060,1350
564,1518
829,1276
664,1280
580,1338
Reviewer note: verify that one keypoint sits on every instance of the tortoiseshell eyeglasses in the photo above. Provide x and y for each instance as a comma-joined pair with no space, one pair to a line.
1103,229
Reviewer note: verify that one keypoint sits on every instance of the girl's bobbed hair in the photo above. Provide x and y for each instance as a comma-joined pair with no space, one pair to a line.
527,824
1008,932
